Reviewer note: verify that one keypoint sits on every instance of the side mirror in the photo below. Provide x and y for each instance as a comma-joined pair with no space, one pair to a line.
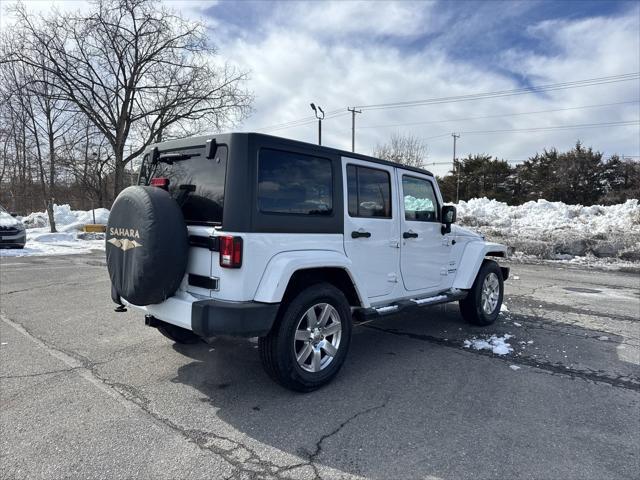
448,214
448,217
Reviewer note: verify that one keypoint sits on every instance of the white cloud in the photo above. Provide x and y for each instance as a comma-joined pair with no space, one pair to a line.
295,65
353,53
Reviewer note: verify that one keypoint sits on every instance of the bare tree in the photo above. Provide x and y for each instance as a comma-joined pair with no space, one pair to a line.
405,149
135,70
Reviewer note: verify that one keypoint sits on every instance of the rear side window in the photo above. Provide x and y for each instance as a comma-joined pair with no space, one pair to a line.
420,203
369,192
293,183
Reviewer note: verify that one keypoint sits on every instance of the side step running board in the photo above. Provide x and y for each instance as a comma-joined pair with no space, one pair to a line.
368,314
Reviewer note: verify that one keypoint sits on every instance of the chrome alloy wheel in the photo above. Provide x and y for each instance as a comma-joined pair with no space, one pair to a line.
317,337
490,293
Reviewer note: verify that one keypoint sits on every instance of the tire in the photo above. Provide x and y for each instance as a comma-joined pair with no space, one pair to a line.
178,334
279,350
472,307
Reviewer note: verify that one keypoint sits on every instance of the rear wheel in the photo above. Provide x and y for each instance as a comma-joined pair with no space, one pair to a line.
482,305
178,334
309,342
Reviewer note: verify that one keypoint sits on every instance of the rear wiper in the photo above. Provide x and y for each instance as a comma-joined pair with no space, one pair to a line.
170,158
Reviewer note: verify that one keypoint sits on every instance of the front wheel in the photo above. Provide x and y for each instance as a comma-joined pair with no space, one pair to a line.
309,342
482,305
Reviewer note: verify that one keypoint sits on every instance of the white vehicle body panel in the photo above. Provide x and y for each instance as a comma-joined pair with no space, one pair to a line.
471,260
424,258
374,258
283,265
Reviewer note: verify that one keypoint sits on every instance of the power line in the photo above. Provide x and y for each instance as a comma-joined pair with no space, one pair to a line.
435,122
460,98
300,122
555,127
506,93
542,129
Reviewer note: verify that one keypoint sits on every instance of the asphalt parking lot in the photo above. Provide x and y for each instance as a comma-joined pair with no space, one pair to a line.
89,393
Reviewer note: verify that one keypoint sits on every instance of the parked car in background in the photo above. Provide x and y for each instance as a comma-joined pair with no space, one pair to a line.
12,231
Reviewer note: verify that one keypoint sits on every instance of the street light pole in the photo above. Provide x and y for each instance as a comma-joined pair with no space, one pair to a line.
320,116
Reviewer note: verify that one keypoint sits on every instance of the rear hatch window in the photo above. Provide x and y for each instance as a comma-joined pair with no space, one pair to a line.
195,181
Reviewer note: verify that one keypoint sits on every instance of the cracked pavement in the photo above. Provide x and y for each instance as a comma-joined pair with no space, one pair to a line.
89,393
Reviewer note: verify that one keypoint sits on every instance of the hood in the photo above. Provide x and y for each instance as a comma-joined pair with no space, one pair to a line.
7,220
464,232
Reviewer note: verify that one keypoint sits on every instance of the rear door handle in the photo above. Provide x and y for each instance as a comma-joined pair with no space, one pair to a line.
409,235
355,234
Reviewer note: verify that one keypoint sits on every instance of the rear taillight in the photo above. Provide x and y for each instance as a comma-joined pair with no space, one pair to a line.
230,251
160,182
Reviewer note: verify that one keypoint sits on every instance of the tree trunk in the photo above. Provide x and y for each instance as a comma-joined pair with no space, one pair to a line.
118,176
52,220
52,171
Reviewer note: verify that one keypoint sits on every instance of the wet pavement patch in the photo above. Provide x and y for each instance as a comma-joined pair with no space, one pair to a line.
582,290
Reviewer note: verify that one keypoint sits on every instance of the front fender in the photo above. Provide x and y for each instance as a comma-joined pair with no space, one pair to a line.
282,266
471,260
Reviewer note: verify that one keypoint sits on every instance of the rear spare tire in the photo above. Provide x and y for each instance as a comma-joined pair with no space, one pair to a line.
146,245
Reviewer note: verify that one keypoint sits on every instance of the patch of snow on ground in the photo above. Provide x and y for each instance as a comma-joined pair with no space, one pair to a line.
498,345
68,240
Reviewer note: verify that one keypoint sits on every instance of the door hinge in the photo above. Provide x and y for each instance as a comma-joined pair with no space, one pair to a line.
443,272
392,277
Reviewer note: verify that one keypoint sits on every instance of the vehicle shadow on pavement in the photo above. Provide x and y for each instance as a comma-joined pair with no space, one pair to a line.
411,400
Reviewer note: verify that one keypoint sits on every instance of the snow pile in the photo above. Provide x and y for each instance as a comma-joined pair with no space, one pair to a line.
6,220
497,345
414,204
556,230
68,240
66,219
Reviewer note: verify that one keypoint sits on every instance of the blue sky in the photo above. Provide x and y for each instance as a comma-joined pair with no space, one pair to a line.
339,54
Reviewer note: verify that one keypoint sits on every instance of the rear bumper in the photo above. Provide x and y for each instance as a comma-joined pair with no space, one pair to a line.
211,317
241,319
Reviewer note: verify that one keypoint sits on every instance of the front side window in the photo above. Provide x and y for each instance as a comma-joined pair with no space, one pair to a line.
294,183
420,202
368,192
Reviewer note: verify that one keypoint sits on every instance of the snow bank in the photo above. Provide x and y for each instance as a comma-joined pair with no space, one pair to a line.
556,230
68,240
414,204
66,219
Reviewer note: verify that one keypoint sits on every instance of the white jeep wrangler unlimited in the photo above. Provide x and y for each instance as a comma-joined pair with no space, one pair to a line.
257,236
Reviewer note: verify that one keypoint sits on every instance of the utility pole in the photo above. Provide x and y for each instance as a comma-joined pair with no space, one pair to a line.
320,116
353,127
455,138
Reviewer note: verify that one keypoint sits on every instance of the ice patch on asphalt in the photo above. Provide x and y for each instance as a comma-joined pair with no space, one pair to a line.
498,345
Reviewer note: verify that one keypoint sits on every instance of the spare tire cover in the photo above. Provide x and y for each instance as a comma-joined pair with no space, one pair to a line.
146,245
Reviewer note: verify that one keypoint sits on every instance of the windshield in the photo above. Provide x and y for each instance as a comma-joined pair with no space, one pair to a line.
195,181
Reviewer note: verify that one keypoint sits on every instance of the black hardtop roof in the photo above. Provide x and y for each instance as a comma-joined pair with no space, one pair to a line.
226,137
